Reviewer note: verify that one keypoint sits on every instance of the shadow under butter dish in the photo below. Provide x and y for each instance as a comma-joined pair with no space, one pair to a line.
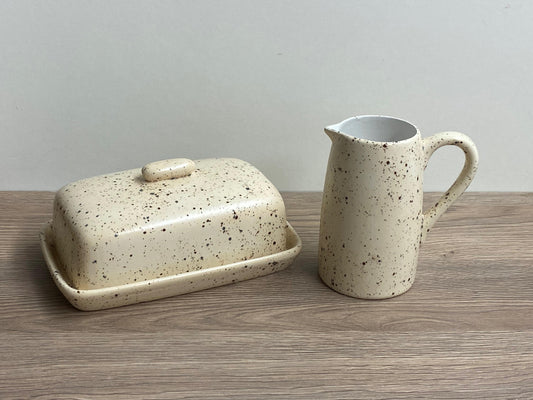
195,225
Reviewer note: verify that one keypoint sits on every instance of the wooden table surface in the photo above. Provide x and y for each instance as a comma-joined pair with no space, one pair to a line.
465,329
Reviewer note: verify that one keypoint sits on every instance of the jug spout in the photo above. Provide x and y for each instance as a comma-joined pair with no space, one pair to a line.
332,131
332,135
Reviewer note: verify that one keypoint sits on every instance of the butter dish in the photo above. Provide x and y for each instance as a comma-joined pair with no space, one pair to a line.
172,227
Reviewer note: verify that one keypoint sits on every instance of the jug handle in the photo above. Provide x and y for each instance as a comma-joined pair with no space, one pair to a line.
432,143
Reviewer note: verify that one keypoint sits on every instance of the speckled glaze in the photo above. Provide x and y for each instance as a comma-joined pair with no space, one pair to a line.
152,289
372,223
132,231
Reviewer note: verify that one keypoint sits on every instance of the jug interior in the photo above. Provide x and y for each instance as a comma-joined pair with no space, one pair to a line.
377,128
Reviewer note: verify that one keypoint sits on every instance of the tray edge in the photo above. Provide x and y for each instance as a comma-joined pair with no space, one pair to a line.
174,285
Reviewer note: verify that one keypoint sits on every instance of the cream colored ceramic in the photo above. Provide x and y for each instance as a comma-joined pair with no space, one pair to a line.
176,226
372,223
181,283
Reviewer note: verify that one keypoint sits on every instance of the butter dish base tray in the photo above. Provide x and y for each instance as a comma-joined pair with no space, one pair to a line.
167,286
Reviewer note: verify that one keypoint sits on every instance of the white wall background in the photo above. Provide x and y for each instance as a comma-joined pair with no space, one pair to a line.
90,87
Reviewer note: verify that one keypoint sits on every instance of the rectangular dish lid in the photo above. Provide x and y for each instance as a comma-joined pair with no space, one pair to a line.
173,217
164,192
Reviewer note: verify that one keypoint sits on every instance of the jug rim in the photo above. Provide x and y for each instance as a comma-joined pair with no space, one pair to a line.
414,131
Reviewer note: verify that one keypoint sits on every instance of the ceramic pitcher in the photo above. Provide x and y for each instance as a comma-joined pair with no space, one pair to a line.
372,223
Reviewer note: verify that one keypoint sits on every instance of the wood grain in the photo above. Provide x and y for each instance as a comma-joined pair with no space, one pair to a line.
465,329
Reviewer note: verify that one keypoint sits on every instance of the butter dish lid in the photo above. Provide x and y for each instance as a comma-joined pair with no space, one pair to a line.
172,217
162,192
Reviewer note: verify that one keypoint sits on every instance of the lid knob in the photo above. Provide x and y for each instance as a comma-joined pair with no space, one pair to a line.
167,169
